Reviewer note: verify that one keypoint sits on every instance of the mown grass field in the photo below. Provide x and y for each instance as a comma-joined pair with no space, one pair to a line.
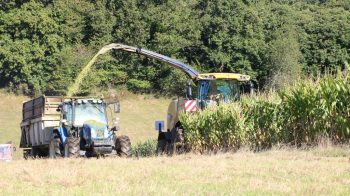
276,172
10,117
319,171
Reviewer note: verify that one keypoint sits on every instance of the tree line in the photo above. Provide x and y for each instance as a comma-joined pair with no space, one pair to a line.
45,43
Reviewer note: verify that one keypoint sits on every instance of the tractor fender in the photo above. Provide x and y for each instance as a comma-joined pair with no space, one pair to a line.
62,133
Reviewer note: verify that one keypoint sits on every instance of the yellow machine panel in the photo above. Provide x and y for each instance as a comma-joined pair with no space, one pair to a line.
228,76
175,107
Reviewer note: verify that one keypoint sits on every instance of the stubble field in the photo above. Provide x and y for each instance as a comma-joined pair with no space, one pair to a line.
319,171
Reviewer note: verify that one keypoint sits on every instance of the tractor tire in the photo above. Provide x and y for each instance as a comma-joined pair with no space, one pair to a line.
54,148
72,147
123,146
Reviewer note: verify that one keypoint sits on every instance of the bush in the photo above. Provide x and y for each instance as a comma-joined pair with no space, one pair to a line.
145,149
138,85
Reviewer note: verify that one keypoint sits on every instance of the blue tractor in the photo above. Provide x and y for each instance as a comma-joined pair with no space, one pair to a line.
71,127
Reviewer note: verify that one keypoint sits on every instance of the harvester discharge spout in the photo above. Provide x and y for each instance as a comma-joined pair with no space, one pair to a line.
190,71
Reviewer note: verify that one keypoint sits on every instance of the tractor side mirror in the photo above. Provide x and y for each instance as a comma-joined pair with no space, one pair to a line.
117,107
115,126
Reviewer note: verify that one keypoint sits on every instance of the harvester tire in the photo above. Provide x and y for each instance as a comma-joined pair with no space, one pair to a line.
54,148
177,141
27,153
72,147
123,146
161,144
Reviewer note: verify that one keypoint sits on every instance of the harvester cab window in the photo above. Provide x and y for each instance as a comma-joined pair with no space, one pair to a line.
229,89
218,90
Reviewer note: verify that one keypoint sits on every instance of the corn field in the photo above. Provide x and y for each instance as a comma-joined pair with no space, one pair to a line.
305,114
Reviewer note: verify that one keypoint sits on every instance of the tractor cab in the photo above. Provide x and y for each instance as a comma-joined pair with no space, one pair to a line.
87,119
76,113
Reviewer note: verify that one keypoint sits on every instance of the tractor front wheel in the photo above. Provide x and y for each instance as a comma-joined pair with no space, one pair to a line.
123,146
72,147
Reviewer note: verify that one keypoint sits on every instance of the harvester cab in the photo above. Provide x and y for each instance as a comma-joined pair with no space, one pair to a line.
219,88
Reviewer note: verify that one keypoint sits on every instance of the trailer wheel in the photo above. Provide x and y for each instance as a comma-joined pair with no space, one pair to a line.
27,154
123,146
54,148
72,147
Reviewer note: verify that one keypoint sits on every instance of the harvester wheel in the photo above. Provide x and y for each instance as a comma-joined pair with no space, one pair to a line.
161,144
161,147
123,146
54,148
72,147
177,141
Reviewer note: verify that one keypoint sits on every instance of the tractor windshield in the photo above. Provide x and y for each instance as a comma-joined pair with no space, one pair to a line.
85,112
216,91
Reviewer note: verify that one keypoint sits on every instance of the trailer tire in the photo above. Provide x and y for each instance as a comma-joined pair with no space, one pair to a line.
72,147
39,152
123,146
27,154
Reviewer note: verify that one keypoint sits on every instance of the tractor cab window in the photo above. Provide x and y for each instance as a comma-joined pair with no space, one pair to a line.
218,90
85,112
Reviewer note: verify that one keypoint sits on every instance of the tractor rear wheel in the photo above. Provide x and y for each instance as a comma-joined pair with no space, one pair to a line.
123,146
72,147
54,148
